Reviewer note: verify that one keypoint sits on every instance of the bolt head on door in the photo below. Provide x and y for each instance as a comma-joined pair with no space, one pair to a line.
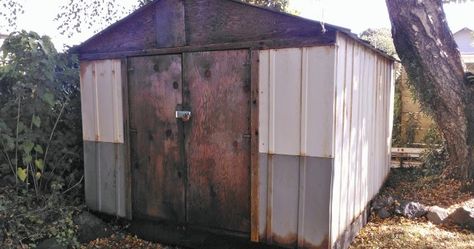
183,115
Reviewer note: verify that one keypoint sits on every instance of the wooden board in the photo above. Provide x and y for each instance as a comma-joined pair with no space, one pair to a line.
158,172
217,21
178,23
217,139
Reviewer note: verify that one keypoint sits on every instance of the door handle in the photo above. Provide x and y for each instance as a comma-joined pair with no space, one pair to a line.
183,115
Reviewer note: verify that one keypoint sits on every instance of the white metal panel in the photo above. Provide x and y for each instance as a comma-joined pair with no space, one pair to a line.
101,98
285,102
318,101
88,100
263,100
363,103
336,187
296,101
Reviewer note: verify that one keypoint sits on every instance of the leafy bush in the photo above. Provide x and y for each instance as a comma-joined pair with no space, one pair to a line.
40,142
28,220
434,158
40,130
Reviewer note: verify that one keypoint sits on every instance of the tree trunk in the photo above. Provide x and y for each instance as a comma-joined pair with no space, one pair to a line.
429,53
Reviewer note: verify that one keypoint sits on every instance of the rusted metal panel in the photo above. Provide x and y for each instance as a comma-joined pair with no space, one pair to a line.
166,23
101,100
254,155
103,169
217,21
158,172
125,181
134,32
258,44
217,140
295,192
263,189
170,24
297,101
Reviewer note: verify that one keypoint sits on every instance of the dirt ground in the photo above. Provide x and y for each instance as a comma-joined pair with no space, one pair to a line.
394,232
400,232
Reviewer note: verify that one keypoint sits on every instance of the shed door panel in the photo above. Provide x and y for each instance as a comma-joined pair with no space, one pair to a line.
217,141
155,91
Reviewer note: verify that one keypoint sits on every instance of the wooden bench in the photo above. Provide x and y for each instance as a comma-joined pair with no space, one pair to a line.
412,154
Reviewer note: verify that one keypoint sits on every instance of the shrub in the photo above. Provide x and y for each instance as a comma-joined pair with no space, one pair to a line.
40,131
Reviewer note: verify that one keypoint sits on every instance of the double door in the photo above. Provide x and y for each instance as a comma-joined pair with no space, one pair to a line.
189,138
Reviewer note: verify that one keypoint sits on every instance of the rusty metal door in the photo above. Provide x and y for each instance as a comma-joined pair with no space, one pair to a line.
158,171
217,139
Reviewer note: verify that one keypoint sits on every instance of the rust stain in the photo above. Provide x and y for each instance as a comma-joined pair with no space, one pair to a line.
217,155
288,240
324,244
291,239
158,185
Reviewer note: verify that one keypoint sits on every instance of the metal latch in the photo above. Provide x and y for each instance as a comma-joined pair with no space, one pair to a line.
183,115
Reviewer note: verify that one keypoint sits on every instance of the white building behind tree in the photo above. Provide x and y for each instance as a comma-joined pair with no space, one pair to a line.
465,40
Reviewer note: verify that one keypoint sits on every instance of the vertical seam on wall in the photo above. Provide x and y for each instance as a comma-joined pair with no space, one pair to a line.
269,199
271,102
99,177
301,200
331,184
96,105
302,144
115,87
303,102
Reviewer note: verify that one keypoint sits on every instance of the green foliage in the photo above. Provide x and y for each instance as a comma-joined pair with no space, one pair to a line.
75,15
397,116
9,11
412,129
279,5
380,39
40,130
28,219
434,158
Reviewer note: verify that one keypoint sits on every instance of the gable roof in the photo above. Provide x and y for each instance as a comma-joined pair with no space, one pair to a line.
185,23
463,30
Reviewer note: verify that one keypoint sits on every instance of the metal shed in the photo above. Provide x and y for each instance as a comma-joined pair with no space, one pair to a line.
223,117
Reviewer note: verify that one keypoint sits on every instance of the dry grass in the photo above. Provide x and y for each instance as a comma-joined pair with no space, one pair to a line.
400,232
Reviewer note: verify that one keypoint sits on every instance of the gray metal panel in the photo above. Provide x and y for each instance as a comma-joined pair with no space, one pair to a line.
283,200
263,194
90,175
106,161
104,177
294,200
315,174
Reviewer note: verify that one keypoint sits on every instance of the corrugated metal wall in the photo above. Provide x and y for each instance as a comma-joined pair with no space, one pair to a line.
364,107
101,93
296,109
104,149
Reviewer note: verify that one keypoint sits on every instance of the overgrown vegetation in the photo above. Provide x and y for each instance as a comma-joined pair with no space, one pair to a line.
397,138
40,140
426,187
